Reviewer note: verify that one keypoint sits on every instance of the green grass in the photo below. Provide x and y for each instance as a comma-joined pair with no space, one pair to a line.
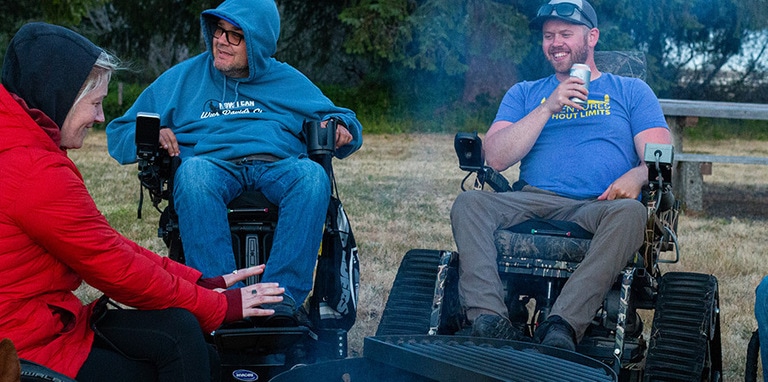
398,191
714,129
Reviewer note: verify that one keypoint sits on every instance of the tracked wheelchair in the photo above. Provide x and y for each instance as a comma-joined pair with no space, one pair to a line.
249,351
535,259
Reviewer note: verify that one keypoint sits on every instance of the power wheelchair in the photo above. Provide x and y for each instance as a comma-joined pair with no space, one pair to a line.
249,351
536,257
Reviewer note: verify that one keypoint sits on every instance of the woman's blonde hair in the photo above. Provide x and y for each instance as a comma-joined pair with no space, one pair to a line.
101,73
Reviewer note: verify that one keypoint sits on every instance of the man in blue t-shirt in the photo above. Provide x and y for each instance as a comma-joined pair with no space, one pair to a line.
234,115
581,164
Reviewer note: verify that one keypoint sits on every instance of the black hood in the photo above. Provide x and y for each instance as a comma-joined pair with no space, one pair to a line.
46,65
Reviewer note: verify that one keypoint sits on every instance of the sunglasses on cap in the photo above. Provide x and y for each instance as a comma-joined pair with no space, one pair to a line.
564,10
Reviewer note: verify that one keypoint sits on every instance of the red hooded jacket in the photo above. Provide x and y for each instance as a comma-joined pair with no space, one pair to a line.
52,237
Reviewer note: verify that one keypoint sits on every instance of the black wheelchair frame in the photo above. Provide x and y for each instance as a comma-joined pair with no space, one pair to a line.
247,350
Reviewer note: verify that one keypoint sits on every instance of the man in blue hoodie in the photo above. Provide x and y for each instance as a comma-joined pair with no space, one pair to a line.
234,115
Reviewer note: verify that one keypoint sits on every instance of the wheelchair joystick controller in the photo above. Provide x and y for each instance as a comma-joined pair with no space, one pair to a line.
469,148
156,168
659,158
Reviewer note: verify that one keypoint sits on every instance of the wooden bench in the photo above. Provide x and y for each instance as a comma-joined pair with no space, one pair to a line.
690,168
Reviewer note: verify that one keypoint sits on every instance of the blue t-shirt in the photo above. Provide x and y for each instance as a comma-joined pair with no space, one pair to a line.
581,152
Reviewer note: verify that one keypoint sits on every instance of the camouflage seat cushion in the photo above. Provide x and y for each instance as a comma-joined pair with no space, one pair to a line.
522,252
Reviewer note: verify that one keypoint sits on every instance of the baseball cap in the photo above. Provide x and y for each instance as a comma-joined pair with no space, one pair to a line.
229,20
573,11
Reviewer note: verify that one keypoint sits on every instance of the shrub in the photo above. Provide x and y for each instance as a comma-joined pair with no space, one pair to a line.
121,96
712,129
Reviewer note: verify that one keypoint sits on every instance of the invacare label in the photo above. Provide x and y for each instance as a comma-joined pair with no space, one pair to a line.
245,375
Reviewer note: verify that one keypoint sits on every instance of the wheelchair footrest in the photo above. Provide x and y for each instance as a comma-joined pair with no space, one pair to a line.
602,349
261,339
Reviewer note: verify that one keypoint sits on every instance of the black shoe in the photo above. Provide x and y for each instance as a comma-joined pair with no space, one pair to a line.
302,317
495,326
556,332
284,316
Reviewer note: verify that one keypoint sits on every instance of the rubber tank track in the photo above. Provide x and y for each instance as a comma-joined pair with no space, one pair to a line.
685,339
409,306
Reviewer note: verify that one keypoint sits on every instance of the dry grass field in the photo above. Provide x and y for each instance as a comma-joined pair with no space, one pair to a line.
398,190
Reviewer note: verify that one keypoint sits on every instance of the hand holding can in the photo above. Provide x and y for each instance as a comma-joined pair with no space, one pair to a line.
581,71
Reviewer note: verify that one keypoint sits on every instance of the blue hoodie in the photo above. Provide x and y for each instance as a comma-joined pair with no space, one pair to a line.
229,118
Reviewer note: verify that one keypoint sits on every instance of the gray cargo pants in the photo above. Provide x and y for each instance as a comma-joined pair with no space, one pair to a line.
617,226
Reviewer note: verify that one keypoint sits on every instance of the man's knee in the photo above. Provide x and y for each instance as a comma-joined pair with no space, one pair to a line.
631,211
633,217
465,204
309,182
192,166
313,175
193,174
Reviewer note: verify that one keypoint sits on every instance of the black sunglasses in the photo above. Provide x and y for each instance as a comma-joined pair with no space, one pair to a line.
233,37
564,10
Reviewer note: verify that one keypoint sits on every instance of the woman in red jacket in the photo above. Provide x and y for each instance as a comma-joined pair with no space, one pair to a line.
52,237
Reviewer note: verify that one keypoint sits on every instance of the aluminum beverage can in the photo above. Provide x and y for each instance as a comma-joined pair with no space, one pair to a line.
581,71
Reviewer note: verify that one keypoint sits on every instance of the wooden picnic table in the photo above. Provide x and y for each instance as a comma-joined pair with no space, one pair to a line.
690,168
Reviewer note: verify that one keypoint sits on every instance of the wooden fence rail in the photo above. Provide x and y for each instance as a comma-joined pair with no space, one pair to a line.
690,168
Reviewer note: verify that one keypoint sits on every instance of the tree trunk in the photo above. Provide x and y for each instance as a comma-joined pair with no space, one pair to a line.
486,74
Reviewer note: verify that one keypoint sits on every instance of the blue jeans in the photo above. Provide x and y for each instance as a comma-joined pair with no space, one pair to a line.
298,186
761,314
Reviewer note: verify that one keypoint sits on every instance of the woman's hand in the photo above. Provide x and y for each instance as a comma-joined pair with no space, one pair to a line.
242,274
259,294
253,296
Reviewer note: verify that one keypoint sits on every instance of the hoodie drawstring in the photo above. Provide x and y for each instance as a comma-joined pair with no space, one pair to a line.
224,91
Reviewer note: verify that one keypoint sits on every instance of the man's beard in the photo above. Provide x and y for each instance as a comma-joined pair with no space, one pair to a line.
230,69
581,55
235,71
578,56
